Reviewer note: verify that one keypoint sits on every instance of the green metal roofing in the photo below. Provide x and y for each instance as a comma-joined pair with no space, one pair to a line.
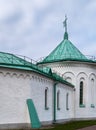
8,60
65,51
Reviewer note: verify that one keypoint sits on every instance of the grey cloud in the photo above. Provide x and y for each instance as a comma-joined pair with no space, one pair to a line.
34,29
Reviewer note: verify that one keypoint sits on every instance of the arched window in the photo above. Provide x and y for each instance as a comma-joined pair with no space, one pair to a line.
81,93
67,101
92,93
92,88
58,100
46,98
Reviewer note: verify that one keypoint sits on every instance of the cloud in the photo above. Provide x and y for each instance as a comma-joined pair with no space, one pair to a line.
34,27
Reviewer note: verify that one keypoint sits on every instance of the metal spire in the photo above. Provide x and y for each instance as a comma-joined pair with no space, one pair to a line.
65,25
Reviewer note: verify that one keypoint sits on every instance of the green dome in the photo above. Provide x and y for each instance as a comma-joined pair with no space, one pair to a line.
65,51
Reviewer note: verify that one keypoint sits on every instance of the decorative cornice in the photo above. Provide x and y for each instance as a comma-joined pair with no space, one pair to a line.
22,75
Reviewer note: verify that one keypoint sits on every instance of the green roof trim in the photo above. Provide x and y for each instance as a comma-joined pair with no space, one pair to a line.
47,70
65,51
8,60
69,59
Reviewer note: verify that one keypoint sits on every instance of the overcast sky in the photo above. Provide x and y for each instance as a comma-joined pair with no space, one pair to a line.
35,27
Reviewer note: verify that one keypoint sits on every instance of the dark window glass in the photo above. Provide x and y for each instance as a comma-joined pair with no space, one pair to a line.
81,93
46,98
58,100
67,101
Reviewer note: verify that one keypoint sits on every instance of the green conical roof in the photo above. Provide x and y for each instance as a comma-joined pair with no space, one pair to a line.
65,51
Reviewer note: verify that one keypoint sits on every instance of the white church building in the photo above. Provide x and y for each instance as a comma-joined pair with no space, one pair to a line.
61,87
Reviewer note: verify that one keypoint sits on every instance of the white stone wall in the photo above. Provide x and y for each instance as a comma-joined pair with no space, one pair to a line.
74,72
17,86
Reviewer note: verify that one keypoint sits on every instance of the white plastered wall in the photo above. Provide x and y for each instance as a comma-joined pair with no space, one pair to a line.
16,86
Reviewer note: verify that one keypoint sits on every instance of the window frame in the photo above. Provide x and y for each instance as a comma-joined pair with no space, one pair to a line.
81,94
58,100
67,101
46,99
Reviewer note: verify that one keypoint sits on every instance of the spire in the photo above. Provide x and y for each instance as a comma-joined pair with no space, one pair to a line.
65,25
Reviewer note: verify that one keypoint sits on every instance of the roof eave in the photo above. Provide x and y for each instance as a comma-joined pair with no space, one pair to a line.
80,60
29,68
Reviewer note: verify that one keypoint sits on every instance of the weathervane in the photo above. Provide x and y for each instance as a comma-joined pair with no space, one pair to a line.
65,23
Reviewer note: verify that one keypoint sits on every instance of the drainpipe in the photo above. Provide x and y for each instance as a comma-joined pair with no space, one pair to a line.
54,110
